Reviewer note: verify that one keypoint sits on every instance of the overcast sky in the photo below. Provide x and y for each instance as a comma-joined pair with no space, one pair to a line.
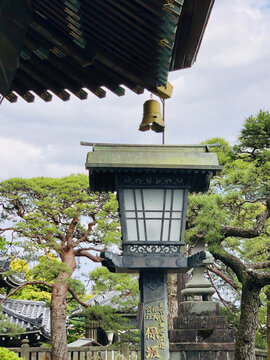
229,81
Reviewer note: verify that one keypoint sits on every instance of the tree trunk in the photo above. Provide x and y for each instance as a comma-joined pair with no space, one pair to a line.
58,322
267,292
172,299
245,336
182,279
58,309
175,283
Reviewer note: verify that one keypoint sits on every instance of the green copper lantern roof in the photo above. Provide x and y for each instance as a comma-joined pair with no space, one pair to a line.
105,161
152,156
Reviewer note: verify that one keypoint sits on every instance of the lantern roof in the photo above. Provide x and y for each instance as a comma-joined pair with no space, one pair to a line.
195,162
72,46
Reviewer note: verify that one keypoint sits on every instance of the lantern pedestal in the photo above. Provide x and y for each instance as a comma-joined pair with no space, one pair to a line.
154,328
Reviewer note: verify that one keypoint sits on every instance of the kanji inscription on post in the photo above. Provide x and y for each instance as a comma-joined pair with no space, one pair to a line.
155,330
155,333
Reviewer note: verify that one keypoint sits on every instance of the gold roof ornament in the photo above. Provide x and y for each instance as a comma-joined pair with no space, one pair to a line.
164,92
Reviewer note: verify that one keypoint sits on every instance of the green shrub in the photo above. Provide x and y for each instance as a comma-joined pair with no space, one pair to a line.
5,354
7,327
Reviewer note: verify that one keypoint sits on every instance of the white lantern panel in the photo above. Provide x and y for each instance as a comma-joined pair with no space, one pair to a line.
141,227
168,199
177,200
165,230
153,214
153,199
129,200
175,230
138,199
153,229
131,229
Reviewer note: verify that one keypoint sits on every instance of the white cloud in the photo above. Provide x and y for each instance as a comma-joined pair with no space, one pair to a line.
238,33
20,159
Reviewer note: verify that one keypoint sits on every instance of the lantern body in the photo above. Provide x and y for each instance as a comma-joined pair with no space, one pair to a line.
152,184
152,218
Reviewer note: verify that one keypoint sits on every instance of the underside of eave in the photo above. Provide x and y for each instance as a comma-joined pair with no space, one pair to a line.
76,46
191,29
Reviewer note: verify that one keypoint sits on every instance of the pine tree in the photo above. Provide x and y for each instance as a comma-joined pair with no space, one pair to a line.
60,218
233,219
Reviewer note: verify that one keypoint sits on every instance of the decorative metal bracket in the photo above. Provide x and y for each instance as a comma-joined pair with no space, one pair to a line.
171,262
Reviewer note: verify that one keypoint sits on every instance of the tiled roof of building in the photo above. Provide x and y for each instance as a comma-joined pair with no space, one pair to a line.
8,280
102,299
31,315
83,342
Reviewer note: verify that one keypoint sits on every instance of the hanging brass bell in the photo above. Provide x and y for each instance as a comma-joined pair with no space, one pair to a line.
152,117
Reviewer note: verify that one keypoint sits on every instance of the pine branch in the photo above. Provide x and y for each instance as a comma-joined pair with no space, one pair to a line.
223,277
86,234
252,201
81,252
257,229
261,265
88,249
32,282
70,231
218,294
19,208
261,278
75,297
63,240
228,259
2,230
